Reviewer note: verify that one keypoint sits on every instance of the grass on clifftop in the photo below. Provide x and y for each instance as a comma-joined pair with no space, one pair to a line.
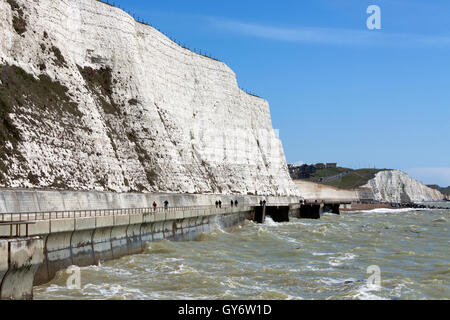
355,179
444,191
328,172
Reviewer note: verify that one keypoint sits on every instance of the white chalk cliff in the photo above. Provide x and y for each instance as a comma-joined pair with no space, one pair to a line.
125,108
398,187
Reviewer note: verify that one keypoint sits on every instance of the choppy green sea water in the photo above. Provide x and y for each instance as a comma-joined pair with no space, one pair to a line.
302,259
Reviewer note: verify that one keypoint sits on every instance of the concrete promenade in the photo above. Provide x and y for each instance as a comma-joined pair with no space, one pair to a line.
84,228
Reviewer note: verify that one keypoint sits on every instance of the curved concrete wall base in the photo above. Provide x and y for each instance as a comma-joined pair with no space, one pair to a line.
58,252
101,241
119,243
89,241
81,248
19,261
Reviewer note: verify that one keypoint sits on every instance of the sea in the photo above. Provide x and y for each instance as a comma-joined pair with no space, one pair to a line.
393,254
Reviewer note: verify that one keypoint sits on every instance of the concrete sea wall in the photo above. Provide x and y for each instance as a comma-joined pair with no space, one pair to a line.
119,224
108,235
87,241
19,261
16,200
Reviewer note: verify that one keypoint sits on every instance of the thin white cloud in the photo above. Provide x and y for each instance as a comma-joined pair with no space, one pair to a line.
329,36
439,176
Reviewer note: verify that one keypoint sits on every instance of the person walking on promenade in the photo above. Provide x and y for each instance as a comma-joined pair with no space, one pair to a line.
166,204
154,205
261,203
220,204
232,203
236,203
217,204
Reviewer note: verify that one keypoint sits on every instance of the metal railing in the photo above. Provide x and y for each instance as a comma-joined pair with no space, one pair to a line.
73,214
327,201
17,225
181,44
142,21
58,215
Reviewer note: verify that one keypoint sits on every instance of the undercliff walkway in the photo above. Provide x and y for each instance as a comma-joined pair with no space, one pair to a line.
58,215
18,223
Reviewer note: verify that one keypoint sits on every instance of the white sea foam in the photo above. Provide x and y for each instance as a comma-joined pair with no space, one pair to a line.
269,222
109,270
54,288
111,291
276,234
367,293
330,281
172,259
322,253
386,210
311,268
340,260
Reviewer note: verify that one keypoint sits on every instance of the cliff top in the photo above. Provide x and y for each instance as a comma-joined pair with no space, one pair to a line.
343,178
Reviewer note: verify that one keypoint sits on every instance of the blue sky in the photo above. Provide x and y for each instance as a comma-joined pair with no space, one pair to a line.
338,92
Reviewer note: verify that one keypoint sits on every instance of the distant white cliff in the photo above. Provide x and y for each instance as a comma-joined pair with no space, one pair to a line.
398,187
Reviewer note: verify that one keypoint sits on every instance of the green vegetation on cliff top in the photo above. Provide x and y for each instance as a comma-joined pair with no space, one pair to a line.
445,191
354,178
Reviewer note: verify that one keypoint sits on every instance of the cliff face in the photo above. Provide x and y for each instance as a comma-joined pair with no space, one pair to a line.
92,100
397,187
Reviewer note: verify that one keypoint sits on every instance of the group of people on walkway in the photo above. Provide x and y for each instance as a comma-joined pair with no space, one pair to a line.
166,205
234,203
